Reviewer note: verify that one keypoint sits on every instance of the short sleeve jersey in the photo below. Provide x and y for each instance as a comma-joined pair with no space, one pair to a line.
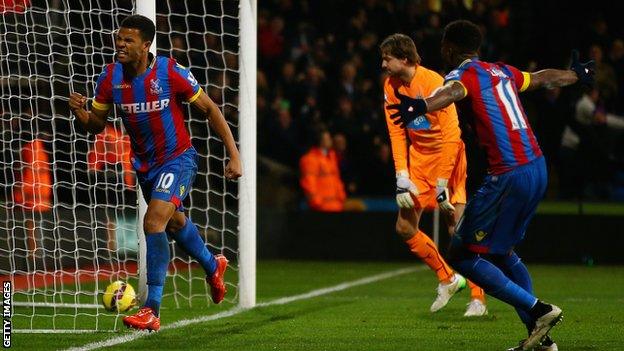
492,107
151,108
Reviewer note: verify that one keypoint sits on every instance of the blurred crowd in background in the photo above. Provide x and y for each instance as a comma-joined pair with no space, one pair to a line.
47,53
55,178
319,69
321,124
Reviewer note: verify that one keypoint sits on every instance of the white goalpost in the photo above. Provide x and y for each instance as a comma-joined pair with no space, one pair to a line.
247,134
70,209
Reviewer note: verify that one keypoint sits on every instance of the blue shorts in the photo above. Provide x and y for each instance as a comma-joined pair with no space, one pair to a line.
170,181
497,216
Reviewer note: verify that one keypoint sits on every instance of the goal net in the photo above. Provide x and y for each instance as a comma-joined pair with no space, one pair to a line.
68,203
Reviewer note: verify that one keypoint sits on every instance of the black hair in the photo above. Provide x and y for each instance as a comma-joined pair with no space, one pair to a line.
143,24
463,34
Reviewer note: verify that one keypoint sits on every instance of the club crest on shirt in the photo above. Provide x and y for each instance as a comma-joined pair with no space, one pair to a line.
480,235
182,188
155,88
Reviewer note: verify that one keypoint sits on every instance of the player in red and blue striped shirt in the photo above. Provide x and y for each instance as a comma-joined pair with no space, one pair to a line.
496,217
149,92
492,107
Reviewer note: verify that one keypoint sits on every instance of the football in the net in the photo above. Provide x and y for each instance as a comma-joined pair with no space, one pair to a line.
119,297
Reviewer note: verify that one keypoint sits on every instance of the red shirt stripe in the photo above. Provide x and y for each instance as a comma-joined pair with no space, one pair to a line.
155,120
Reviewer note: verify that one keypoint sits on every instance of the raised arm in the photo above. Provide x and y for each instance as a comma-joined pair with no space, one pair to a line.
551,78
204,104
93,121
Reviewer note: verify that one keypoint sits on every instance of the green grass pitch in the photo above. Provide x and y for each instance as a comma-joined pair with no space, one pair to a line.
391,314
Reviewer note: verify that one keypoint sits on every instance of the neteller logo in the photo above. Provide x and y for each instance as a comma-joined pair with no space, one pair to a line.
149,106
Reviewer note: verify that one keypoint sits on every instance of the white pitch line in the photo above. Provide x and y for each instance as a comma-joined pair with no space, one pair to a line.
236,310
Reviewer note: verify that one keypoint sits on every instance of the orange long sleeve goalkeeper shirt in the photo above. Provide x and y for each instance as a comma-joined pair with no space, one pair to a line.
436,132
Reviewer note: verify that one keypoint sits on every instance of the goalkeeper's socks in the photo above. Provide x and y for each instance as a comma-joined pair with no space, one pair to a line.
422,246
157,262
495,282
189,239
513,268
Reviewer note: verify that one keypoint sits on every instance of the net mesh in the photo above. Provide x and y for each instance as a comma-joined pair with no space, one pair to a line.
68,204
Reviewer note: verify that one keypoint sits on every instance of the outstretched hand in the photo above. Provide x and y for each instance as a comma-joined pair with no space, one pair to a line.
584,71
407,110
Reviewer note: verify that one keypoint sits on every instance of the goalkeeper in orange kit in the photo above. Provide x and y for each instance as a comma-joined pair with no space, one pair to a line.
430,164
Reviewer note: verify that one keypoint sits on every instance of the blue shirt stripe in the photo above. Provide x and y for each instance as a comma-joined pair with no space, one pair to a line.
117,79
138,89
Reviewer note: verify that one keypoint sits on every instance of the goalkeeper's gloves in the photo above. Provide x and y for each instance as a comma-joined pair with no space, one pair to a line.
584,71
443,197
404,190
407,110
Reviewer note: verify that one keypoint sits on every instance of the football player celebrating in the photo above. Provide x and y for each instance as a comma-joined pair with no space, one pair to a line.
496,217
150,91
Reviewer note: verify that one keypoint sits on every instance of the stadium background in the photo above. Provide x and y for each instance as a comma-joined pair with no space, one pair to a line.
319,66
38,109
319,37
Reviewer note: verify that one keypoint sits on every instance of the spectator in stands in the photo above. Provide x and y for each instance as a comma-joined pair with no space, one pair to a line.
554,111
312,86
320,176
616,59
283,143
109,159
287,85
271,42
347,85
317,35
33,189
345,163
605,76
589,139
112,148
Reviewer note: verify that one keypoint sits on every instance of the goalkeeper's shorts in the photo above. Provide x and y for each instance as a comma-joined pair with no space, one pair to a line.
170,181
423,171
497,216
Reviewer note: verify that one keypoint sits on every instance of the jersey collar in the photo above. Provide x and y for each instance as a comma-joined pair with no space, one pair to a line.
467,61
152,59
